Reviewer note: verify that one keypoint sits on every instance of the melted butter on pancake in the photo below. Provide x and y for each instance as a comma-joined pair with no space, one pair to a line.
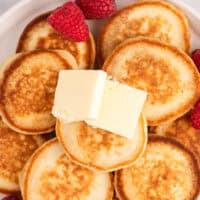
71,180
15,150
146,72
94,140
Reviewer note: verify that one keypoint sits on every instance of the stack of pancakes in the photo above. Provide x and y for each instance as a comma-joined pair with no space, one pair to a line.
27,86
145,46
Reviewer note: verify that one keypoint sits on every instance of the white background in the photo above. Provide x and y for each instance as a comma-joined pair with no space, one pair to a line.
5,4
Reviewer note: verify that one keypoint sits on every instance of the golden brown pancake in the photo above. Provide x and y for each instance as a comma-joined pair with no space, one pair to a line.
38,34
27,86
166,73
50,175
153,18
98,149
15,150
182,131
167,171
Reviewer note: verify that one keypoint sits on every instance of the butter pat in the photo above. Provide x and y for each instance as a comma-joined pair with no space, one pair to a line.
120,110
79,94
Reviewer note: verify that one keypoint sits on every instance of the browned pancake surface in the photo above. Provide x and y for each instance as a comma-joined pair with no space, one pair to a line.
15,150
38,34
96,140
101,150
160,70
182,131
126,24
27,90
80,182
60,178
166,171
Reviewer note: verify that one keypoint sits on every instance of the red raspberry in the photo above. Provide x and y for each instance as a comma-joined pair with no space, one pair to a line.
10,198
97,9
70,22
195,116
196,58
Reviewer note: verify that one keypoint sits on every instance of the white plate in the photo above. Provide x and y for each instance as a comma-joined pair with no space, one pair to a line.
14,20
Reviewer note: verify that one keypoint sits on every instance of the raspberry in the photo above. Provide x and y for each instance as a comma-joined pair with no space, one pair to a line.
195,116
70,22
10,198
196,58
97,9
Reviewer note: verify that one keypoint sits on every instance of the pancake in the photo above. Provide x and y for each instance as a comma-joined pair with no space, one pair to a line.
49,174
38,34
156,19
27,86
15,150
167,74
167,171
101,150
182,131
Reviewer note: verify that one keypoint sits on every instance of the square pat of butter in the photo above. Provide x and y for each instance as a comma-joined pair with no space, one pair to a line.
79,94
120,110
